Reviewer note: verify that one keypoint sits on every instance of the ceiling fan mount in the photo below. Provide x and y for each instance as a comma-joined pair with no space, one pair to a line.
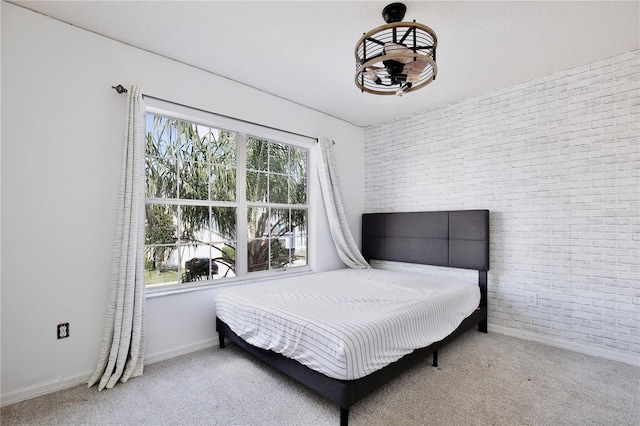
394,12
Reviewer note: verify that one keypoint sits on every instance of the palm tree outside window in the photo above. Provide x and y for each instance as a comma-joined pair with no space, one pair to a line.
194,204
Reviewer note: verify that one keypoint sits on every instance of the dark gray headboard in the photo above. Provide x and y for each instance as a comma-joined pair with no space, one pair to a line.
458,239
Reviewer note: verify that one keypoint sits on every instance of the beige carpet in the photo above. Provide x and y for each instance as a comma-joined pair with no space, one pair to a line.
482,380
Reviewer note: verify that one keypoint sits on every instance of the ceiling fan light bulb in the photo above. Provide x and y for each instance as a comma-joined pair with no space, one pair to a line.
404,88
374,77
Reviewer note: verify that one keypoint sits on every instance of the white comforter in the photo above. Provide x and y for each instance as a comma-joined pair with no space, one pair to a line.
347,323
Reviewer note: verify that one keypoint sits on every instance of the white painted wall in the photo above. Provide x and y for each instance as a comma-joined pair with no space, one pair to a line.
62,128
556,160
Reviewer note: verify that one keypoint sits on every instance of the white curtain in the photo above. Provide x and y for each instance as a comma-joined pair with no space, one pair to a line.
122,351
330,184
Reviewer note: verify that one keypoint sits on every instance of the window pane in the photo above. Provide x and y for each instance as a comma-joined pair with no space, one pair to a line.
257,246
161,177
161,158
278,222
299,221
258,255
278,189
223,183
278,158
298,161
208,249
297,190
223,240
225,256
257,154
256,186
194,181
158,266
298,175
161,136
257,218
192,147
197,263
280,235
299,252
194,224
280,254
298,237
221,147
160,224
160,238
224,221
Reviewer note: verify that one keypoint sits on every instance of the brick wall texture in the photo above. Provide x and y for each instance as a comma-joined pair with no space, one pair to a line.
556,160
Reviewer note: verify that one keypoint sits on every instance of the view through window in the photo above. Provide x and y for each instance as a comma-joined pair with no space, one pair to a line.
210,215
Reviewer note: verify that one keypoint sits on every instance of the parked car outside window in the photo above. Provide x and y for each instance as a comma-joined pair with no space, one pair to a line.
199,267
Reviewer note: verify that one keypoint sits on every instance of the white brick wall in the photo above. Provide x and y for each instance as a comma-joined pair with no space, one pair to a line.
556,160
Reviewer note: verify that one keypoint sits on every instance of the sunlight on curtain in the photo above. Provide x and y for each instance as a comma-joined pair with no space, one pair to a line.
346,246
122,351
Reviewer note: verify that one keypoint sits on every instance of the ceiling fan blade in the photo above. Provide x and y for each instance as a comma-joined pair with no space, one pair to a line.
414,68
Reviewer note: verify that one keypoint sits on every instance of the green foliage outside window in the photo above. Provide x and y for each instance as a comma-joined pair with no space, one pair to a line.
191,173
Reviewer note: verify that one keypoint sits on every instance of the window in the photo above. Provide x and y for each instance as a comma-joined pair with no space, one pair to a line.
221,203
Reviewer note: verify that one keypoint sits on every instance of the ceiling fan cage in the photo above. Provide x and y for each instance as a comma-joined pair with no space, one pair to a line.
384,54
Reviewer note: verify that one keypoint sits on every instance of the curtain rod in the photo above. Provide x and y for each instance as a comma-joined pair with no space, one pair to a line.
121,89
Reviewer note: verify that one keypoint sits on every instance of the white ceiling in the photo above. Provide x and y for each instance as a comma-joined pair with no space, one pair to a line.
303,51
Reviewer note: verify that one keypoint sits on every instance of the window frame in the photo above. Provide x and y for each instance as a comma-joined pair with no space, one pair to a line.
243,130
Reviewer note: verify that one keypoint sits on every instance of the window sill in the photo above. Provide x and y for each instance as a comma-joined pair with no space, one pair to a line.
172,289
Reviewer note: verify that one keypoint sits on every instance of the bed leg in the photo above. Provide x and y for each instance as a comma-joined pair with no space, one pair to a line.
221,340
482,326
435,359
344,416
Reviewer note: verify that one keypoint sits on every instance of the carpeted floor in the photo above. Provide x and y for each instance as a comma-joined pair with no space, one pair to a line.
482,379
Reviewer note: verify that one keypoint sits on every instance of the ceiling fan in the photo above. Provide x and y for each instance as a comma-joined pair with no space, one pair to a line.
396,58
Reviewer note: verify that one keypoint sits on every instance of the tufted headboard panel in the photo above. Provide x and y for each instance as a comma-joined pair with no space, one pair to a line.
458,239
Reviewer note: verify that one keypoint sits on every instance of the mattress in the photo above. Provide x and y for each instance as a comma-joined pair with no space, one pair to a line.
348,323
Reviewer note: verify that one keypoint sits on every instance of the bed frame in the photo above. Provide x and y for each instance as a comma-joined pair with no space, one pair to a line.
457,239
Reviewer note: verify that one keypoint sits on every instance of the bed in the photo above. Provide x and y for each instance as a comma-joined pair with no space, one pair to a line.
334,353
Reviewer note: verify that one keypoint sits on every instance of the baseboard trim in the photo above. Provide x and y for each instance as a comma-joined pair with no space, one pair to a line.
35,391
563,344
58,385
181,350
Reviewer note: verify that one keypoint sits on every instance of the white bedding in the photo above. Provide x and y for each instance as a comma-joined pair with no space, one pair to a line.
348,323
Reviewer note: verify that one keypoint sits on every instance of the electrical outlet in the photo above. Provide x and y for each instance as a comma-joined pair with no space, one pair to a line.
63,330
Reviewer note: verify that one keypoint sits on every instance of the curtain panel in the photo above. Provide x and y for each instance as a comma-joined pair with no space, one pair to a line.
333,201
122,351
